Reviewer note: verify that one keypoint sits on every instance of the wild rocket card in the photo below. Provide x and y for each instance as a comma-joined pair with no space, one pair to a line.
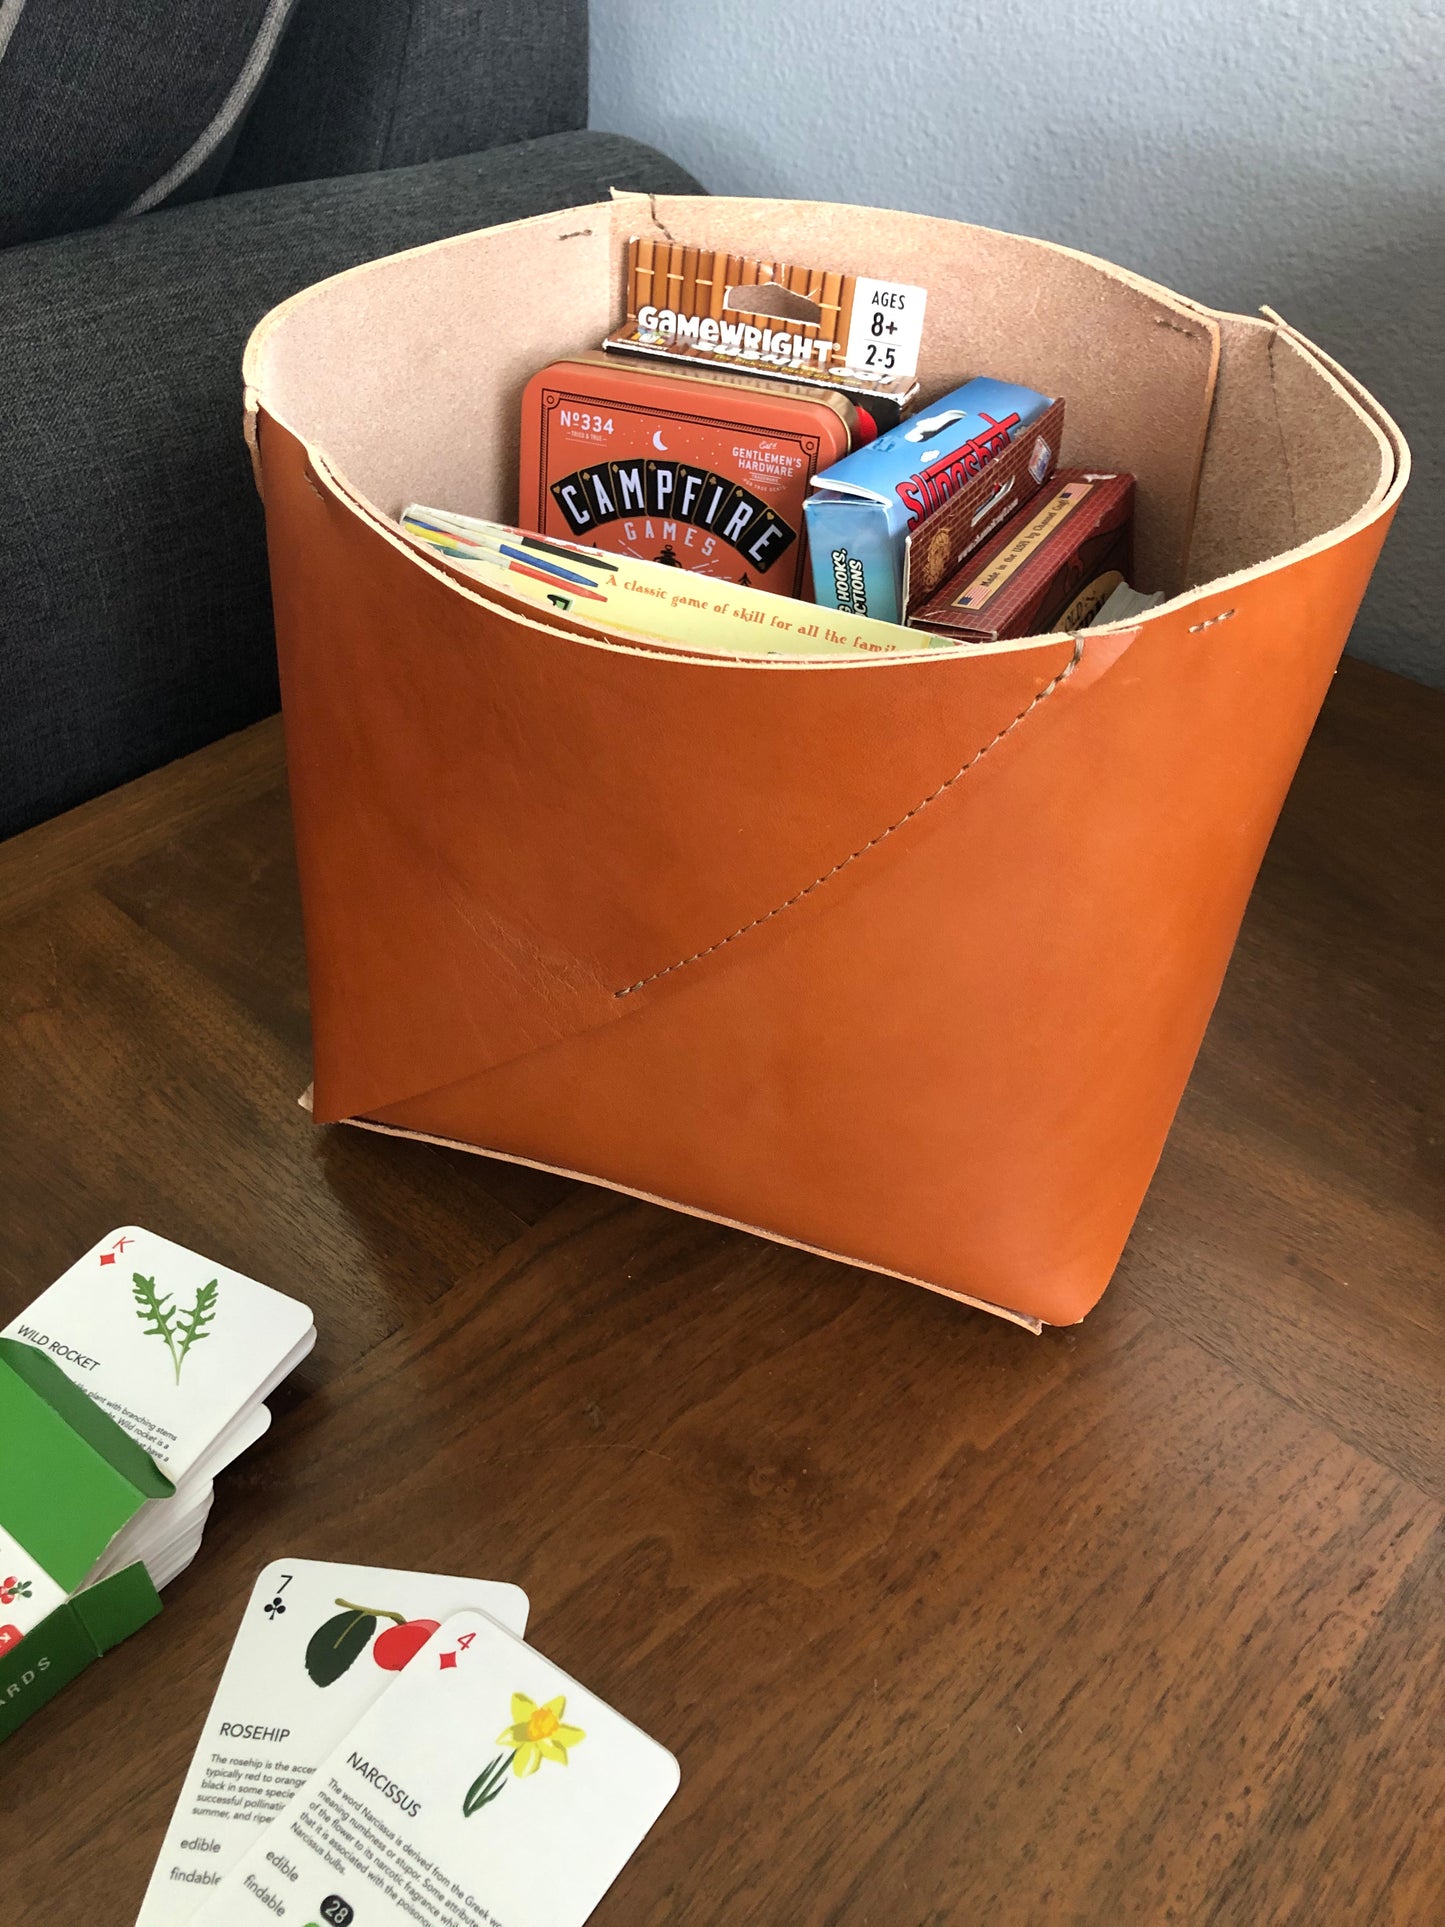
172,1345
485,1789
317,1645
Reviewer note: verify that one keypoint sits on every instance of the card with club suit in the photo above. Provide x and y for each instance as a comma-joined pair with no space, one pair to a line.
318,1643
484,1789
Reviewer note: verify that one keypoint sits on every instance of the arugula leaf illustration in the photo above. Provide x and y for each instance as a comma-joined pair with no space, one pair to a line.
191,1327
157,1314
163,1319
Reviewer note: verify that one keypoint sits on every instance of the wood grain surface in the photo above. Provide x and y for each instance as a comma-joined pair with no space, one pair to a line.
949,1626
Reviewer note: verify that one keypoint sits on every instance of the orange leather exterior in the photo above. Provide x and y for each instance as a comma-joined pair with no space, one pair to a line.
906,961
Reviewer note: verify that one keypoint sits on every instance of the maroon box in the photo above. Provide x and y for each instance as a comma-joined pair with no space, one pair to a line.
952,533
1050,566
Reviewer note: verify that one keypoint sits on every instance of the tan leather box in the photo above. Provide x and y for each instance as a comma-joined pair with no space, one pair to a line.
903,959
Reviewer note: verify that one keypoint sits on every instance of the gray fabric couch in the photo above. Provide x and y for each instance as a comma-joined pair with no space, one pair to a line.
168,172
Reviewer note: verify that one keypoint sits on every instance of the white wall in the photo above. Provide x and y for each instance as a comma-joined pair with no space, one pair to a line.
1243,151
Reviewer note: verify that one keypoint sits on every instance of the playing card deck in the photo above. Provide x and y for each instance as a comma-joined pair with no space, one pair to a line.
384,1748
124,1389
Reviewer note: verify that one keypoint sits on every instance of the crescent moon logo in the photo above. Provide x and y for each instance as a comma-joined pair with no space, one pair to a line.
657,442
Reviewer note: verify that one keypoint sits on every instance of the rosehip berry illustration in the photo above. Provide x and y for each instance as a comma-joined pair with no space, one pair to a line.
399,1645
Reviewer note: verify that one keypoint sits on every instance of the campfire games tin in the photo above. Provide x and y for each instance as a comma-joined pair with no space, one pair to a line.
702,470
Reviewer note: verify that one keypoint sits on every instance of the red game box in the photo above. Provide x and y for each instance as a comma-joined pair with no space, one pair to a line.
1050,567
944,540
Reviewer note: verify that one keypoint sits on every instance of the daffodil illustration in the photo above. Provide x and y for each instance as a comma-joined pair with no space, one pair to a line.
537,1733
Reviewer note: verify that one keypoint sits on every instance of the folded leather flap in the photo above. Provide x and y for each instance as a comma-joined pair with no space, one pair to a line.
957,1057
505,833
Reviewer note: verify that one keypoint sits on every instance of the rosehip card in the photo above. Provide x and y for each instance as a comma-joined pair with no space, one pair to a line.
318,1643
484,1789
172,1345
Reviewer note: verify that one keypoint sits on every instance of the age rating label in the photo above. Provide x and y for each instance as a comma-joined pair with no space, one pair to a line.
885,330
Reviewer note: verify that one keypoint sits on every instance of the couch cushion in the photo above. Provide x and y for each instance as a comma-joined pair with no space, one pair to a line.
137,620
115,106
363,84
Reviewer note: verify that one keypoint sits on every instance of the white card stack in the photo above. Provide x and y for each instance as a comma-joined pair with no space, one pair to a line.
182,1353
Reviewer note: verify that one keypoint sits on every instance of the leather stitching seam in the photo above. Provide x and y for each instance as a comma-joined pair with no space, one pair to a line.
872,844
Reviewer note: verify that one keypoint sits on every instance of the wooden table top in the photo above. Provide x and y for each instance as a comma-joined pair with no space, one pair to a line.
949,1626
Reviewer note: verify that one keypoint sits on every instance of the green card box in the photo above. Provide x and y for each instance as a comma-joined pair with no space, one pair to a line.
66,1642
70,1480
